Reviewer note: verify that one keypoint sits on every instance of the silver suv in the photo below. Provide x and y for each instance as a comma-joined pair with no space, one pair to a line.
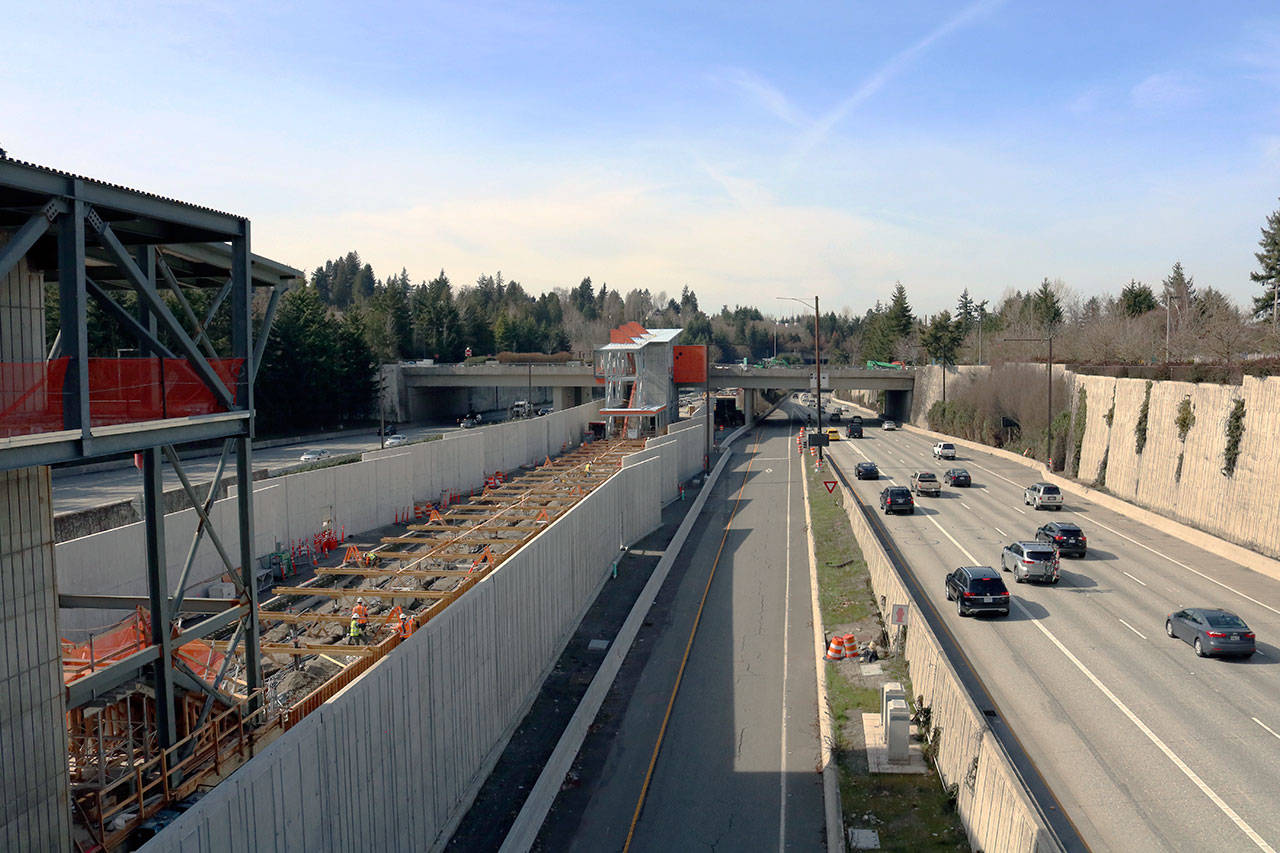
1030,561
1042,496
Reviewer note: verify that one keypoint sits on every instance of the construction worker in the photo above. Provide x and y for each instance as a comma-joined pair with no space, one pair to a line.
356,634
360,613
406,626
588,469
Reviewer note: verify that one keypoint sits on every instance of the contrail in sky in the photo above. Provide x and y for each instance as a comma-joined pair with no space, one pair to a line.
895,66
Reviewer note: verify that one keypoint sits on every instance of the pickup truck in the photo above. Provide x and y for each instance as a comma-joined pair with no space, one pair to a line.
944,450
926,483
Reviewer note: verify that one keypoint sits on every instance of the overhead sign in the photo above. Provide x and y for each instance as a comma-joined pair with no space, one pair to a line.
817,439
830,484
898,615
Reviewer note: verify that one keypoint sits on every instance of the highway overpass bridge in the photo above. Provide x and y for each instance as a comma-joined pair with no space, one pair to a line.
425,392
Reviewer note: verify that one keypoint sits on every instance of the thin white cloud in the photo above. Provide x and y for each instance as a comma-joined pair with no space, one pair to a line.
1169,90
891,69
765,95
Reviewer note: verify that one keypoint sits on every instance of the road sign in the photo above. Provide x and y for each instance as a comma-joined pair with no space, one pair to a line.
830,484
817,439
468,352
898,616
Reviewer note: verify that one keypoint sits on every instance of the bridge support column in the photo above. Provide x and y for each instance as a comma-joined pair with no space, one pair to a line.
35,810
565,397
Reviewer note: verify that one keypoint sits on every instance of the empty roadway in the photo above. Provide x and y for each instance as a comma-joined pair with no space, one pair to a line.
737,767
1146,746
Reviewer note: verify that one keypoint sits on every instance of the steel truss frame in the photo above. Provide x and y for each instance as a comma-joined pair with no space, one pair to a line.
91,239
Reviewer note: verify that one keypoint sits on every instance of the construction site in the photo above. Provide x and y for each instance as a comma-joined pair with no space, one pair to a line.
385,619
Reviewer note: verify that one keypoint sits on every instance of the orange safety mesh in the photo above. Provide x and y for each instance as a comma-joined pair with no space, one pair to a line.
121,390
126,637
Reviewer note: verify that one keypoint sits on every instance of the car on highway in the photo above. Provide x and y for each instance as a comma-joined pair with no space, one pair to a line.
546,410
897,499
944,450
889,425
1211,631
1042,496
837,415
956,477
395,440
866,471
977,589
1068,538
853,431
833,434
469,422
314,455
1030,561
926,483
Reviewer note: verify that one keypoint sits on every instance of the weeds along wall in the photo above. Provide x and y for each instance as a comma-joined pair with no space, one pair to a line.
1239,506
997,812
390,762
358,496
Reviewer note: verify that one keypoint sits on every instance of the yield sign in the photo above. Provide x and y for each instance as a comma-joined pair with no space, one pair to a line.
830,484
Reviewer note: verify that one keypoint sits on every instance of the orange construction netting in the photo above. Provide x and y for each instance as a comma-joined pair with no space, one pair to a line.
125,638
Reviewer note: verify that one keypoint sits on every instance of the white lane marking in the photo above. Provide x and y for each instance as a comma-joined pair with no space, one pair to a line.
998,530
786,633
994,474
1185,566
1133,629
1132,717
1265,726
1023,511
965,505
1133,578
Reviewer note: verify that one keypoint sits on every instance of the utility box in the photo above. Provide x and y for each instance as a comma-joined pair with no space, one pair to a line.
897,732
889,691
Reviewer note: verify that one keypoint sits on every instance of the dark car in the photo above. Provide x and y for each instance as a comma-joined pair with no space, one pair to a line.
977,589
956,477
855,419
835,416
866,471
1068,538
897,499
1211,631
853,431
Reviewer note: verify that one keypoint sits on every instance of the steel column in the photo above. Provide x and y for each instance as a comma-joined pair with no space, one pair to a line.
242,347
147,339
26,236
158,592
74,330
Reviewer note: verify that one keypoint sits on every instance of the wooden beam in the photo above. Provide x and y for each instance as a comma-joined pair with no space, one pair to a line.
393,573
364,593
309,649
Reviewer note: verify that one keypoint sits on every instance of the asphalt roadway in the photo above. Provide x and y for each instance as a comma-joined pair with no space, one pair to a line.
735,749
1146,746
73,490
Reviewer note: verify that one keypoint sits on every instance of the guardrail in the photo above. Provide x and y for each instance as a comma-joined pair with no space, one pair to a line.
1003,801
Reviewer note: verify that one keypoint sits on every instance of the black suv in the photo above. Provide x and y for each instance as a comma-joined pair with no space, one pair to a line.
866,471
1065,536
853,431
977,589
897,499
956,477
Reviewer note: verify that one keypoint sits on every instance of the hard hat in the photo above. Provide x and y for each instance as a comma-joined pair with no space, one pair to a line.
359,601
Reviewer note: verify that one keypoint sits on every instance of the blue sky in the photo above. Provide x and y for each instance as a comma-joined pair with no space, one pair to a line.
747,150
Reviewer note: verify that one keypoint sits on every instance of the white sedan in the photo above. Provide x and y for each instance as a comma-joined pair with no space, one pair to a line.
314,456
395,440
889,425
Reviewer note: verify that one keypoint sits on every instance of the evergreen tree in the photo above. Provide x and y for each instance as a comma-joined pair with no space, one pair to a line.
942,337
688,301
1046,308
1179,294
1137,299
1265,305
966,311
899,315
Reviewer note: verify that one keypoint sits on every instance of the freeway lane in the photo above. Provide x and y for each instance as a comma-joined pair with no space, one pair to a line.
1146,746
737,767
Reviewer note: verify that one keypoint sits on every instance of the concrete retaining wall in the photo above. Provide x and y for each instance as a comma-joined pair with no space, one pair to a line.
391,762
996,810
679,454
358,496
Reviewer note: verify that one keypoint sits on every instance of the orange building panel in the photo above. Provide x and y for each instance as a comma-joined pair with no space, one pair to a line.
689,364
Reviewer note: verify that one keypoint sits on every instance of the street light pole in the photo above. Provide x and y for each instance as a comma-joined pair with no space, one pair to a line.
817,358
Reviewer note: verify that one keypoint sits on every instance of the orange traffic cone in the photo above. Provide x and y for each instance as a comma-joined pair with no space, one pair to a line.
836,650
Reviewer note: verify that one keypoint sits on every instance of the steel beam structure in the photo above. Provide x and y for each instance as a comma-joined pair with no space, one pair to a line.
94,239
